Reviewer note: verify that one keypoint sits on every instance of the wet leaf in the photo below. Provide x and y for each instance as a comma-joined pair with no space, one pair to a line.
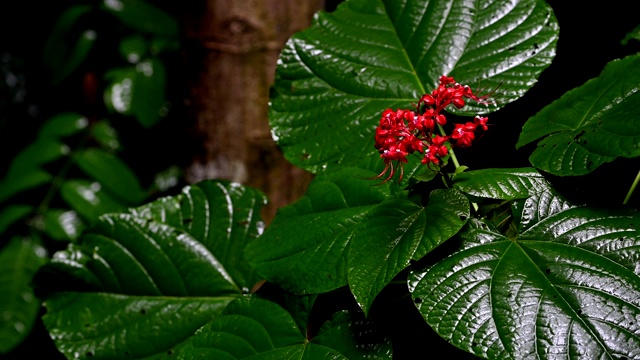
141,282
19,307
397,232
567,285
259,329
305,248
504,184
335,78
590,125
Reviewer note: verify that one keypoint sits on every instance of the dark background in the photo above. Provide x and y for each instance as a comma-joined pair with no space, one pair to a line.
589,38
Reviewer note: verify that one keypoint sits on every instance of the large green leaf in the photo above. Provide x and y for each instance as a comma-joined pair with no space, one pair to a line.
334,79
305,248
396,232
568,286
154,275
259,329
19,307
590,125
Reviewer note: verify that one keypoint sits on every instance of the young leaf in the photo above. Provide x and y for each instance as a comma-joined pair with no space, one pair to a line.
589,125
19,307
567,286
159,266
335,78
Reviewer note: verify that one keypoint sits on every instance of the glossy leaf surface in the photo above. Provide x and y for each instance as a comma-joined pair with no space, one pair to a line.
335,79
305,248
568,286
19,307
397,232
589,125
160,266
259,329
505,184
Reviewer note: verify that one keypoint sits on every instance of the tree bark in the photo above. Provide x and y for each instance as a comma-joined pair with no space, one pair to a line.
231,51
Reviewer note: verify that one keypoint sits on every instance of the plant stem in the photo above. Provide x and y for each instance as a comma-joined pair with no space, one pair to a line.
632,189
456,163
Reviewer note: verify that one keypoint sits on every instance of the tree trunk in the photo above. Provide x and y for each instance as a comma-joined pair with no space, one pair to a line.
231,51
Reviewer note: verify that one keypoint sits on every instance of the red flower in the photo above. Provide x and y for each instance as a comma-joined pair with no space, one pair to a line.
404,132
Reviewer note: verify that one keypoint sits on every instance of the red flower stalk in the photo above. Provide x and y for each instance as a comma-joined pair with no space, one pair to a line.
404,132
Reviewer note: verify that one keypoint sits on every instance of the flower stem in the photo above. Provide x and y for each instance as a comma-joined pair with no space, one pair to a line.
632,189
457,164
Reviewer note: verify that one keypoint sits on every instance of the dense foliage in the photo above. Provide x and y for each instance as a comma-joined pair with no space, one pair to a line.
492,262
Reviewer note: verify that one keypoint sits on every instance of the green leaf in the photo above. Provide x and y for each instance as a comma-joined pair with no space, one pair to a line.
105,135
89,199
589,125
504,184
64,124
258,329
76,56
224,216
19,260
133,48
13,213
567,286
304,249
10,186
142,16
62,225
112,326
138,91
334,79
56,49
112,173
631,35
397,232
151,277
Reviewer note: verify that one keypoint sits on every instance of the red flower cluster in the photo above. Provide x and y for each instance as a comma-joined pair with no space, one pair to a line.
403,132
